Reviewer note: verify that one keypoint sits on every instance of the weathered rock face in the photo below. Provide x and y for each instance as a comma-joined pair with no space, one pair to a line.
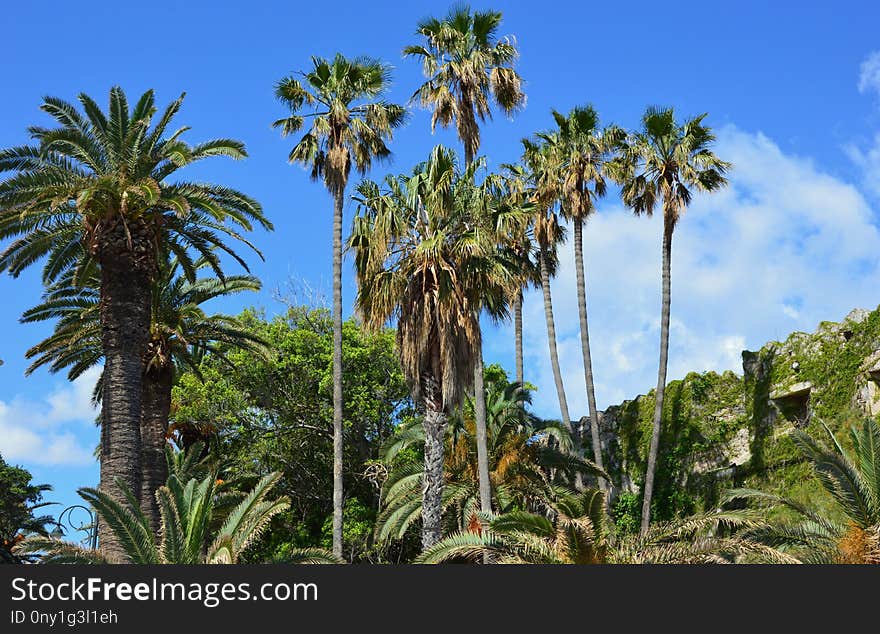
722,430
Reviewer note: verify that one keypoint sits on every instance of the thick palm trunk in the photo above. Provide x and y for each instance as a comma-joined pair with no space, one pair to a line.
482,435
585,346
551,339
337,373
127,264
661,377
518,336
155,408
434,424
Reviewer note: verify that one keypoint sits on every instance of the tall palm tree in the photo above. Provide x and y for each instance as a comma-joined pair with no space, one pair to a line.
350,125
541,171
181,333
97,191
852,479
582,148
467,68
664,162
425,257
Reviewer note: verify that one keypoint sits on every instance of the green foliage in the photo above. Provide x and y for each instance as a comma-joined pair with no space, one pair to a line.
18,501
275,414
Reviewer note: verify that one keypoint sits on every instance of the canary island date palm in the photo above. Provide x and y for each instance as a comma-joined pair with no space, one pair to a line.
581,149
425,256
349,125
467,68
103,190
181,333
847,533
663,164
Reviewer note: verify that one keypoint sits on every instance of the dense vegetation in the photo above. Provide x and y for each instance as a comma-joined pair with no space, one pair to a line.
304,437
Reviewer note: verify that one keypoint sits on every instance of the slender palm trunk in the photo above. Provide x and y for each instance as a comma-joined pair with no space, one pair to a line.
337,372
480,407
127,265
551,337
434,424
482,435
518,336
155,408
585,345
661,376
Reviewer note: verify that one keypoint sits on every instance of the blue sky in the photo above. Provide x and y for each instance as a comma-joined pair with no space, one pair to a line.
792,88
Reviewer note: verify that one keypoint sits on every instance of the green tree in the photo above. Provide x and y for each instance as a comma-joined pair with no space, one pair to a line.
424,256
275,413
181,333
663,163
102,190
350,125
467,68
18,501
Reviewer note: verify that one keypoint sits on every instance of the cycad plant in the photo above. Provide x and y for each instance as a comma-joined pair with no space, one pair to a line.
850,531
180,334
202,521
350,126
573,528
101,191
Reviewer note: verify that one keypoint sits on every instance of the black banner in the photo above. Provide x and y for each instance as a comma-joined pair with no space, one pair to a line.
406,598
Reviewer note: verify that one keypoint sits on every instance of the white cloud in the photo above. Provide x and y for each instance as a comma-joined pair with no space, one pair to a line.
48,431
869,73
785,246
868,162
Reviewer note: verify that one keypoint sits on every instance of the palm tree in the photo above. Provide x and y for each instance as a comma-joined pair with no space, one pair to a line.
181,333
548,232
350,124
424,256
582,149
467,68
97,192
573,528
664,162
520,459
850,531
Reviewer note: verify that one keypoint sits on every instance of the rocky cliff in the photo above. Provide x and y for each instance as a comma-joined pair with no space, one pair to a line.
723,430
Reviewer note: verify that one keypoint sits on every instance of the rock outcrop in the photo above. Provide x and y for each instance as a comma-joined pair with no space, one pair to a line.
722,430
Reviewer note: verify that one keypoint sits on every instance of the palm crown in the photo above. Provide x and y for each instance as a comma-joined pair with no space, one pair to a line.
665,161
467,68
350,125
96,172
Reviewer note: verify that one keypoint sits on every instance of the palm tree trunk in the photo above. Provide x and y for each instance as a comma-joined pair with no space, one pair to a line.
518,336
551,337
127,264
434,424
155,408
661,376
482,435
585,345
337,372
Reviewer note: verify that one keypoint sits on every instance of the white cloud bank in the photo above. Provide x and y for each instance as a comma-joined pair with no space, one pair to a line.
48,431
869,73
782,248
